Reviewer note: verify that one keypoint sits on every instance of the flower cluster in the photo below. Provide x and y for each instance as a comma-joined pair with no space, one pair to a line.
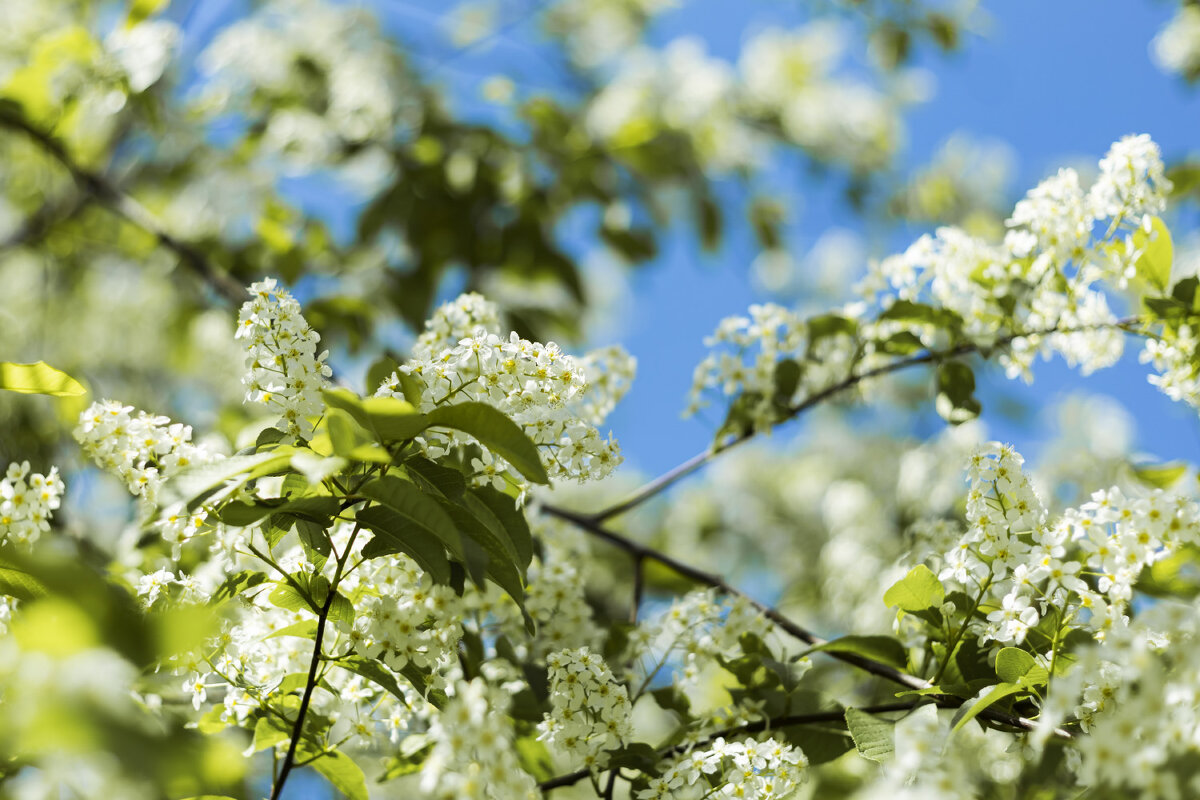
766,770
410,620
143,50
594,32
1077,571
540,387
1040,290
1175,360
1136,696
330,58
285,373
933,763
591,712
747,351
555,600
27,501
699,629
399,618
454,321
144,450
473,756
784,81
1177,46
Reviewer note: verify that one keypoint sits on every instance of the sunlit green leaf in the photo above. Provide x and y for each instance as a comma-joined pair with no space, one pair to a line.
874,737
38,378
1157,254
918,590
497,432
883,649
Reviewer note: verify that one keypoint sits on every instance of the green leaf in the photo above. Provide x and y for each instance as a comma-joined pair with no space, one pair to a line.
987,698
1014,665
140,10
875,738
345,775
267,733
38,378
787,379
389,419
404,498
495,431
883,649
395,420
315,541
1160,476
341,609
504,507
318,508
1176,575
1157,254
637,756
375,672
350,440
908,311
956,401
917,591
380,370
237,583
501,567
18,582
287,597
826,325
396,533
210,722
823,742
450,483
196,484
305,629
482,512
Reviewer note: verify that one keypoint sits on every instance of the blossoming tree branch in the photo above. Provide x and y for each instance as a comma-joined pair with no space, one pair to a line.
381,588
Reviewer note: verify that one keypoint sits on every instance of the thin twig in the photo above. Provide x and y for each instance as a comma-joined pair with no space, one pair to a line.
681,471
107,193
639,587
311,682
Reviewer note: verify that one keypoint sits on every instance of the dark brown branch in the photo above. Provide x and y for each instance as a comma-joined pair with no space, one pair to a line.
309,685
813,718
885,671
108,194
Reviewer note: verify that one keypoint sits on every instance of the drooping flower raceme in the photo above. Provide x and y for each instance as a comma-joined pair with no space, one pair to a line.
1037,292
699,629
284,371
27,501
1079,569
591,711
473,755
144,450
540,387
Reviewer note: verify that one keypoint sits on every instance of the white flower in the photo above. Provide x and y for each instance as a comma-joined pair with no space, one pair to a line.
284,371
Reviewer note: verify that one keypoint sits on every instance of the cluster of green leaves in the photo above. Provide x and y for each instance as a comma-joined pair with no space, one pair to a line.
382,484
